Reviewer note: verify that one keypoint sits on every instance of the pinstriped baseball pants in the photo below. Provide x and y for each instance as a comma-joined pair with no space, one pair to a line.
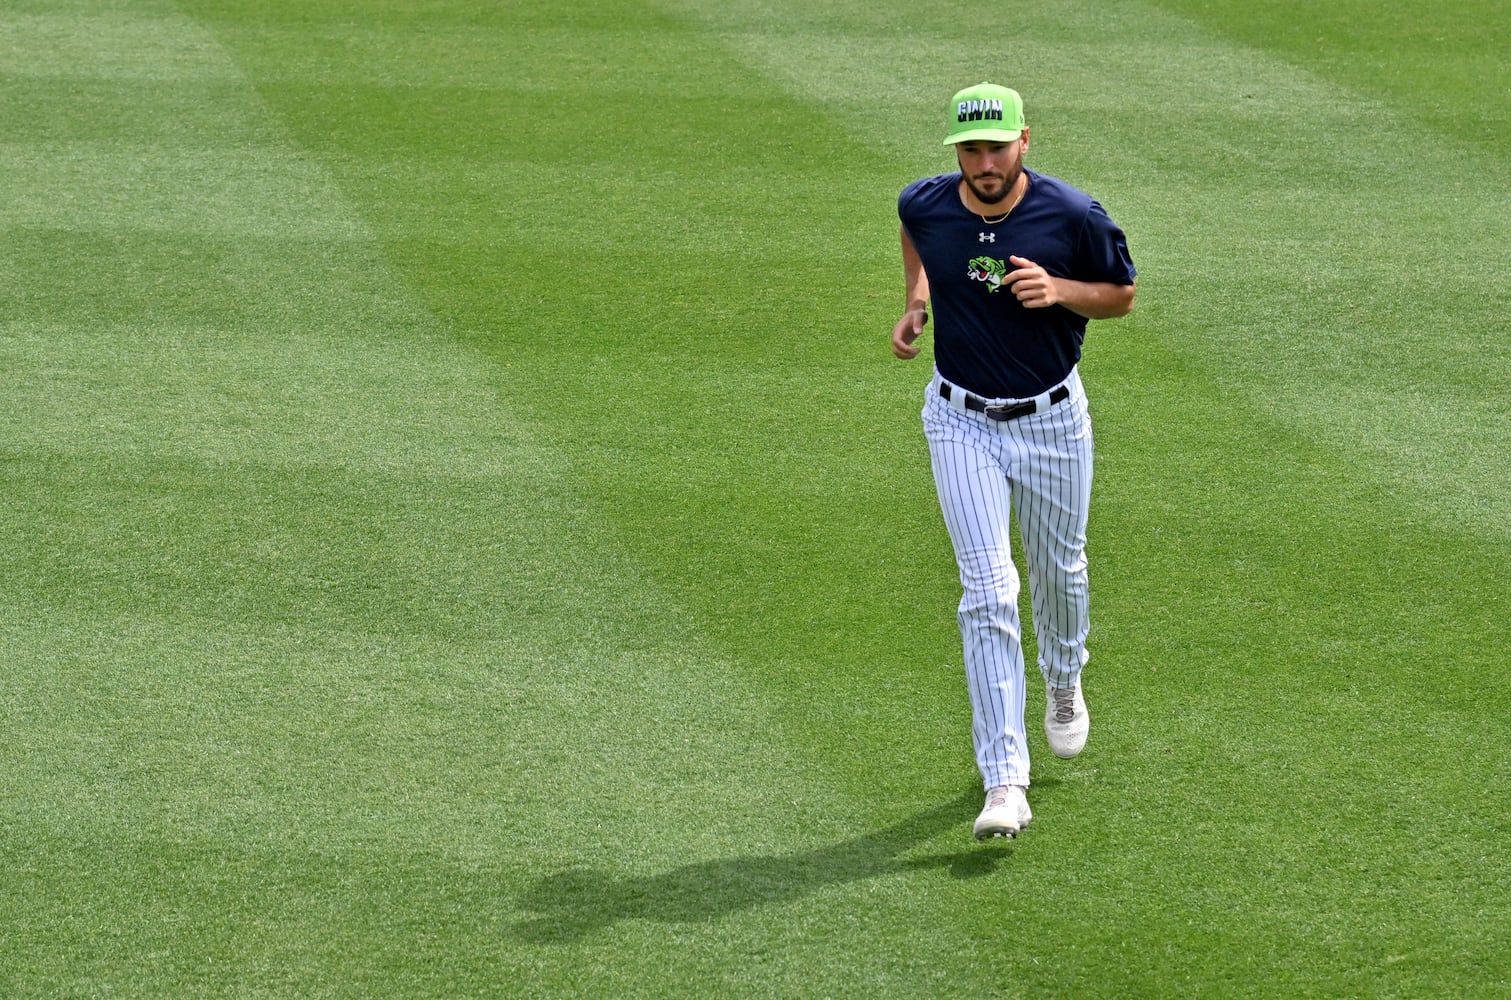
1039,467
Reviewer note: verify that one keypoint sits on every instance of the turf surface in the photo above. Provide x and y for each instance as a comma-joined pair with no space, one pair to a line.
464,534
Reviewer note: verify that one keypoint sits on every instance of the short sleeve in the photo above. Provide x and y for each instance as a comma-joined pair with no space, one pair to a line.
1104,249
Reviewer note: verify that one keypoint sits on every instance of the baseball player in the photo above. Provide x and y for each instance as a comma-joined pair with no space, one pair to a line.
1014,263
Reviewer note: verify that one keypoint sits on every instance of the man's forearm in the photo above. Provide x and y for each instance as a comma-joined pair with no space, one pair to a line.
1095,299
915,280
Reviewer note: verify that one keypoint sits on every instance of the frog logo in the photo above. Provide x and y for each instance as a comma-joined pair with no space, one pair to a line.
989,270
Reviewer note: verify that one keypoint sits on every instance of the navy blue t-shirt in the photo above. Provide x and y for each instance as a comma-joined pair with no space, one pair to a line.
984,339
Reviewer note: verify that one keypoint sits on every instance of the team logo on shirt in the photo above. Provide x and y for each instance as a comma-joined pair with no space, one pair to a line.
989,270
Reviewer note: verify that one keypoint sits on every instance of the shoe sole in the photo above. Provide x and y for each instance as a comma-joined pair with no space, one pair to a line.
1000,832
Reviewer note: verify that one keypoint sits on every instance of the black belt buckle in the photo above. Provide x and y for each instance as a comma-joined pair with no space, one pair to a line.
1008,411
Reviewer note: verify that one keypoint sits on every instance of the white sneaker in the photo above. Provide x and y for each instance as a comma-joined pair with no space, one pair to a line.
1006,813
1066,721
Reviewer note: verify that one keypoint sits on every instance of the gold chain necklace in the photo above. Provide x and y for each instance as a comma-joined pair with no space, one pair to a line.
993,222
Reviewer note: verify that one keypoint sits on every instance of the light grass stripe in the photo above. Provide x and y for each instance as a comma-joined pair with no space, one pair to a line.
256,191
293,395
435,54
128,44
296,734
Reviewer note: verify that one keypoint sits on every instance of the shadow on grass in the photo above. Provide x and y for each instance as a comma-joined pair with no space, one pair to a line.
572,904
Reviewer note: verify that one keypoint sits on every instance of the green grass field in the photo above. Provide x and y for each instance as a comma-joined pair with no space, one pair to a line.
464,533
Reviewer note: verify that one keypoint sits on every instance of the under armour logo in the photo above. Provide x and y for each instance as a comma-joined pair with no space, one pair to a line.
987,237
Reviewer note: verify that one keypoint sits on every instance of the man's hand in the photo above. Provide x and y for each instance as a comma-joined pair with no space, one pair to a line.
907,330
1036,288
1033,285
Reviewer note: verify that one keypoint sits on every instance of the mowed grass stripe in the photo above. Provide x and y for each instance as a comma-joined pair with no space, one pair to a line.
1450,71
238,191
137,41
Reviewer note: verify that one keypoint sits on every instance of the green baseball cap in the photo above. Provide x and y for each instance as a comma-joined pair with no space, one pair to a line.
986,113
